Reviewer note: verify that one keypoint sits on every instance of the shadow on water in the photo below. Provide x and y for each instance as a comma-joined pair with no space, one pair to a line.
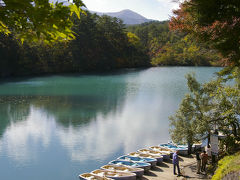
4,80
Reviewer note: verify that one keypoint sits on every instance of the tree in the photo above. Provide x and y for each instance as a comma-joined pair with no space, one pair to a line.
212,21
182,124
167,47
34,20
208,107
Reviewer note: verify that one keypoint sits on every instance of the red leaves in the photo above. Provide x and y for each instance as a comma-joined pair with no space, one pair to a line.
222,31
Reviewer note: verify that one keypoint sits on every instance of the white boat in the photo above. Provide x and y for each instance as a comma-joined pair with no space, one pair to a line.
173,147
142,155
164,152
152,161
114,174
138,171
157,155
89,176
145,166
138,154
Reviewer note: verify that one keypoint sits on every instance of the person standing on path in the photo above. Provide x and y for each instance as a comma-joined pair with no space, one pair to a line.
198,161
204,161
176,163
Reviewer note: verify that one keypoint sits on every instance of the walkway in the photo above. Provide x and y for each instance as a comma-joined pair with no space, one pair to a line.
165,171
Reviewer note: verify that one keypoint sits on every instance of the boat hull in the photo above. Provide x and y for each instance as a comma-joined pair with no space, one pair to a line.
165,153
152,161
138,171
114,174
87,176
157,156
145,166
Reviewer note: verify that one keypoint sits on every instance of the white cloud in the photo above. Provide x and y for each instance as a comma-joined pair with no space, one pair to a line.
152,9
19,136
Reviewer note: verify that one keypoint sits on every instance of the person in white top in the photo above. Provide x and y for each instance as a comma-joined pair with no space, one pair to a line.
208,150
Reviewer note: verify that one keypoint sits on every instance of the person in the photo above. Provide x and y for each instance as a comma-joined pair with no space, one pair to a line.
204,160
198,157
208,150
176,163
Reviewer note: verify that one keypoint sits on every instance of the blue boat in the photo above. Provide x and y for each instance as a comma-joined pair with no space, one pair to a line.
181,150
152,161
145,166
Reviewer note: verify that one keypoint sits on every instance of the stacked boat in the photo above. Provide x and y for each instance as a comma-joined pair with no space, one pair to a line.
133,165
182,150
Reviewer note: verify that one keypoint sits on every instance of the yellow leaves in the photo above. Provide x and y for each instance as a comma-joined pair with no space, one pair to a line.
4,29
133,38
77,10
54,26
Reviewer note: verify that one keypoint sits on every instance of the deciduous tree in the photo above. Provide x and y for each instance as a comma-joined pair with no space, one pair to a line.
35,20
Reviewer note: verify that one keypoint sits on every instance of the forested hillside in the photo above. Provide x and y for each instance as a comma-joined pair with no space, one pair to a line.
101,44
104,43
167,47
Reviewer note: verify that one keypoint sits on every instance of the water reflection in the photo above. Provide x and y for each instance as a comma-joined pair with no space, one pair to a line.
22,138
83,126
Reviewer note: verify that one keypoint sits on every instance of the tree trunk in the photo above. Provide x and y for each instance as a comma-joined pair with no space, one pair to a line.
189,148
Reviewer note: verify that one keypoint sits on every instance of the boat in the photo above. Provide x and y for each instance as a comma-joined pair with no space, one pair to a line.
89,176
152,161
114,174
138,154
181,150
145,166
138,171
166,153
157,155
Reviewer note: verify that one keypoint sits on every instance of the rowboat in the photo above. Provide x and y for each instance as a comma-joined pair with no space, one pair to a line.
89,176
114,175
138,171
145,166
164,152
152,161
181,150
157,155
138,154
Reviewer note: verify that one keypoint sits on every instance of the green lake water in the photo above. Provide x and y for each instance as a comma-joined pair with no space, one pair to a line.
56,127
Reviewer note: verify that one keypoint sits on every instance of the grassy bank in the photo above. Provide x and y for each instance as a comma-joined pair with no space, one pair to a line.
229,164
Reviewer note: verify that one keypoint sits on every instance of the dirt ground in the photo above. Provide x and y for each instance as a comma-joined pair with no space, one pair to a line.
165,170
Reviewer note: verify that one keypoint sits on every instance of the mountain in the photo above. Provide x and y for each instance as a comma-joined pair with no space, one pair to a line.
128,16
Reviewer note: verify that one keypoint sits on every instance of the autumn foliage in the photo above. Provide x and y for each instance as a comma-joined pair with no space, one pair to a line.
213,21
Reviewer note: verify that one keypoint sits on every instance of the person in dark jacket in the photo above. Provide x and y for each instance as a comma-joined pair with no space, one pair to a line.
198,157
175,161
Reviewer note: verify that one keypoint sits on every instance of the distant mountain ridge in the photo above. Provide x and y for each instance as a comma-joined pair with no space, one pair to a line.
129,17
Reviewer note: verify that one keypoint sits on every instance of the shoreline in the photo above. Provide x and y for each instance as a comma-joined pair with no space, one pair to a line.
165,170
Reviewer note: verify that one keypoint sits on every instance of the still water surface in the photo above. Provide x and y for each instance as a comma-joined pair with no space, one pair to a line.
55,127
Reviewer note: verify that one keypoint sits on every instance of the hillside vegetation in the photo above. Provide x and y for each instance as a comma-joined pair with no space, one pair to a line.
171,48
104,43
227,165
101,44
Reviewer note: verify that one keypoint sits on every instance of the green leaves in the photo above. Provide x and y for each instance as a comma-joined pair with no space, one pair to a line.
210,105
39,20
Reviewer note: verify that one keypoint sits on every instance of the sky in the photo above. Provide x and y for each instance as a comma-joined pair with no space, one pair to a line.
151,9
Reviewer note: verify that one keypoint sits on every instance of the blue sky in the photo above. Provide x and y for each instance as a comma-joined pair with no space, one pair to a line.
151,9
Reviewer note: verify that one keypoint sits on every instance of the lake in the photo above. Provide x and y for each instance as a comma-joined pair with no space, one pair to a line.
56,127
